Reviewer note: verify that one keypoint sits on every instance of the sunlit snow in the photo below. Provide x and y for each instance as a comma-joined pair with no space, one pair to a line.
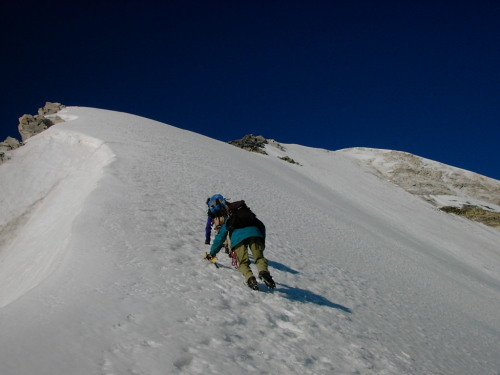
101,270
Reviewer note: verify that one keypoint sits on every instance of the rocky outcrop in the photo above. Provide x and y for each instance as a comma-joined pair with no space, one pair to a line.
257,144
289,160
251,143
428,179
9,144
50,109
30,125
450,189
476,213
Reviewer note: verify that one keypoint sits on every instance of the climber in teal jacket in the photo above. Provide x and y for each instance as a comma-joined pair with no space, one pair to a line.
237,236
252,236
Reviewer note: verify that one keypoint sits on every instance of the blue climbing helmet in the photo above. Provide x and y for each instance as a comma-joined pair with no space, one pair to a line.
217,205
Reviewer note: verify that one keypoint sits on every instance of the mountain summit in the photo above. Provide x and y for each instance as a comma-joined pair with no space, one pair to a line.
101,267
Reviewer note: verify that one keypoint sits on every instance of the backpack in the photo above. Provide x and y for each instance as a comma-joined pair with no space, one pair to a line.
241,216
217,206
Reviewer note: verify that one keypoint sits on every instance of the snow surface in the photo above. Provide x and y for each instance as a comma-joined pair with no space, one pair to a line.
101,268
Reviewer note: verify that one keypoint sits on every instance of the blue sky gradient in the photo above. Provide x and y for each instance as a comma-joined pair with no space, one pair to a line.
416,76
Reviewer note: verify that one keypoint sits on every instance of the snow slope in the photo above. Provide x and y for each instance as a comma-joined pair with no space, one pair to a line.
102,232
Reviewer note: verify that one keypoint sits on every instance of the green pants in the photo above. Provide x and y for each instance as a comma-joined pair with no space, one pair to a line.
256,245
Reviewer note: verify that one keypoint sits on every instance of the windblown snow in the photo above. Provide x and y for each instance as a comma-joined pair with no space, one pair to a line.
101,268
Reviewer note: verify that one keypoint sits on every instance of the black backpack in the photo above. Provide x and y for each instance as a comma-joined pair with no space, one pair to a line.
241,216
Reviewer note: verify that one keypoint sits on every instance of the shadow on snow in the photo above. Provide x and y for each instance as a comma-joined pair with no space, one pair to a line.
306,296
281,267
298,294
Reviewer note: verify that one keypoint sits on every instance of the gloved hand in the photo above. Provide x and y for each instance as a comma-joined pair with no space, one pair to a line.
209,257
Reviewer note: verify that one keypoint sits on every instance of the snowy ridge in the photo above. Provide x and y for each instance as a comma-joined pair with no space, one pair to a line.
370,279
69,165
438,183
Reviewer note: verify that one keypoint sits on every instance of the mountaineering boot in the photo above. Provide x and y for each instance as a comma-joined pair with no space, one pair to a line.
252,283
268,280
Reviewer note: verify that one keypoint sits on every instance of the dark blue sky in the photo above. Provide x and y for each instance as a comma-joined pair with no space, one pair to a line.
415,76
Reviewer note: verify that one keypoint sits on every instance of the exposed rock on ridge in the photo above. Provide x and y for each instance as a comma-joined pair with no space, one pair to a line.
289,160
30,125
451,189
9,144
257,144
251,143
476,213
